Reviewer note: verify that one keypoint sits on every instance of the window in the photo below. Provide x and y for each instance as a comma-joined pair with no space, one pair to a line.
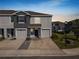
21,19
12,18
37,20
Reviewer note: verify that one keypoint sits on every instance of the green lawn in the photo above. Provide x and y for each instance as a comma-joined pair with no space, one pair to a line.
59,39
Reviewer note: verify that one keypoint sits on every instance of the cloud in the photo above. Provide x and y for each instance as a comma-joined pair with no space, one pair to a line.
64,18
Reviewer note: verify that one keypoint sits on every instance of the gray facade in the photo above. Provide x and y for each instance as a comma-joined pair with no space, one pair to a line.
58,26
25,24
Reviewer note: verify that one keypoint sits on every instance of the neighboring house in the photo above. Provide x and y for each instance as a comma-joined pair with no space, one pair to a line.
58,26
23,24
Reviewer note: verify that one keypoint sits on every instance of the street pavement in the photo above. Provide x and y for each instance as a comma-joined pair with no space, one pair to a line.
42,57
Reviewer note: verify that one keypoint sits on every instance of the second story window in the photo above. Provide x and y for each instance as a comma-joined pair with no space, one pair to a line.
21,19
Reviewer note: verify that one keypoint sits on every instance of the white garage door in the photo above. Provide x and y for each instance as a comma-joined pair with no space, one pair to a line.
45,33
21,33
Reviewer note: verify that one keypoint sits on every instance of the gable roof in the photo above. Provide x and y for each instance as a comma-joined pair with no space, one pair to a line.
31,13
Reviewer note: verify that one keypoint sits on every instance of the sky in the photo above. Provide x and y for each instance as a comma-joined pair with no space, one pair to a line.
62,10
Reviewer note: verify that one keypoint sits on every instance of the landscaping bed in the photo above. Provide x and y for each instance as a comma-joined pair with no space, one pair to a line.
65,41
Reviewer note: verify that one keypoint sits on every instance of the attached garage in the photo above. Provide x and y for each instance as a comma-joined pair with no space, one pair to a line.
45,33
21,33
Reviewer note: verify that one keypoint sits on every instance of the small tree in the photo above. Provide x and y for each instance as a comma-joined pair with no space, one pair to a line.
76,32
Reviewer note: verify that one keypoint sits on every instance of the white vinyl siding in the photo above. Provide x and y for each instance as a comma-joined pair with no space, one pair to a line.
37,20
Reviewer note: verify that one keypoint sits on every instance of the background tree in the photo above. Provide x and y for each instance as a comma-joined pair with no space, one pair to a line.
74,26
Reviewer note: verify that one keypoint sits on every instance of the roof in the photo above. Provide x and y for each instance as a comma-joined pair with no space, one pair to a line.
31,13
7,11
36,13
58,22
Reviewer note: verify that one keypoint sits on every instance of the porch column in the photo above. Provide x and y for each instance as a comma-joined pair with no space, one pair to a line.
5,33
39,32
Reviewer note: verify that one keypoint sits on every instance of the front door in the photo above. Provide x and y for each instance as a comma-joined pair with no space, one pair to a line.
36,33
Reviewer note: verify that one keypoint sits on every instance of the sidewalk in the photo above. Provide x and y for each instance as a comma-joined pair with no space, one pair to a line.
12,53
23,53
73,51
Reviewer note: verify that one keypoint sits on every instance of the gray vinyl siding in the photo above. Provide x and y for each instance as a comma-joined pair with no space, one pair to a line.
25,25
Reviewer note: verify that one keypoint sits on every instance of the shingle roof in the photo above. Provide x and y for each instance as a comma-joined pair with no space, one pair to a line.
35,13
29,12
7,11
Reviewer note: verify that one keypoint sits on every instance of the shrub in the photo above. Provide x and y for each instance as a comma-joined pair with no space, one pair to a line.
62,32
2,38
54,36
72,37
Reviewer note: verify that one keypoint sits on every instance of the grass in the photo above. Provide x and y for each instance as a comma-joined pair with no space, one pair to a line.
59,39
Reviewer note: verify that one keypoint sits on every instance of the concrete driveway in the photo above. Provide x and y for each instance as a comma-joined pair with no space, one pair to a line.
36,47
45,46
8,44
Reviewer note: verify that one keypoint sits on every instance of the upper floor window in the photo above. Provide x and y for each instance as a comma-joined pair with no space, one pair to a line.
37,20
21,19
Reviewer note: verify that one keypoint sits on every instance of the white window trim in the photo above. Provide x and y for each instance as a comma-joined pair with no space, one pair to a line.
21,15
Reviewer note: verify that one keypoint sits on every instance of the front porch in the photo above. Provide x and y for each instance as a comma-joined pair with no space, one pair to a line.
34,31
